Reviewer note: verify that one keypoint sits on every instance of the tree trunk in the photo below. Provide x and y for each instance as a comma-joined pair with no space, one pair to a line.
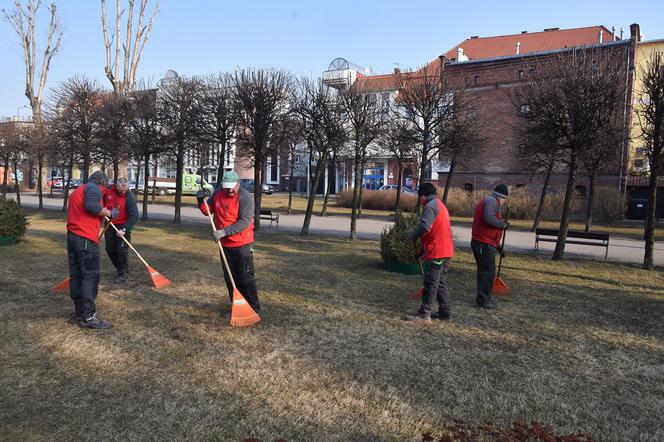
86,164
17,188
290,184
222,161
397,205
65,189
154,178
116,170
138,173
258,193
589,203
5,177
559,252
40,191
449,180
327,187
651,219
178,180
545,187
320,166
362,168
356,198
144,215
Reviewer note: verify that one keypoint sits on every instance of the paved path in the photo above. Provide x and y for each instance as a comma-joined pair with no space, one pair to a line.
620,250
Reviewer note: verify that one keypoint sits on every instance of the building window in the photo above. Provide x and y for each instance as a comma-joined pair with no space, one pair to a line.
520,75
468,187
580,191
477,80
639,164
640,151
524,108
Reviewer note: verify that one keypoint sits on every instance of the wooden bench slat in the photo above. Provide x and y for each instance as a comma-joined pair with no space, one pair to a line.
596,239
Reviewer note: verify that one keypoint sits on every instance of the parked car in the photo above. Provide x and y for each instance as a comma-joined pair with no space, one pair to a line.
394,187
248,185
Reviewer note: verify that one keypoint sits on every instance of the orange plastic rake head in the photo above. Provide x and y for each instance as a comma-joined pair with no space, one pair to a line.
500,288
242,315
61,286
159,280
418,293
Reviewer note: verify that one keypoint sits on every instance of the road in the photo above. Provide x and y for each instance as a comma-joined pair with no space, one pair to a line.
621,249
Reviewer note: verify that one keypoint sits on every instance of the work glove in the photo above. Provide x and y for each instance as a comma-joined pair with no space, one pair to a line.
120,233
115,212
507,225
218,234
201,194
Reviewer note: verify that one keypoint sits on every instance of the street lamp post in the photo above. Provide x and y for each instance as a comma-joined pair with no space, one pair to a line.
18,118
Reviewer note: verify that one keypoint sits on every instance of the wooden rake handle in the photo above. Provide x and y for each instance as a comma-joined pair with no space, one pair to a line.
128,243
221,248
502,245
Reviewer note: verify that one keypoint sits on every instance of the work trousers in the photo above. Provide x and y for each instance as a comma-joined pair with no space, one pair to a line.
485,257
241,262
83,256
435,285
117,250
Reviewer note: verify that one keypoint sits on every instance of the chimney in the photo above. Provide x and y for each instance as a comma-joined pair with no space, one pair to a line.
622,31
397,71
635,32
459,54
613,32
601,35
518,47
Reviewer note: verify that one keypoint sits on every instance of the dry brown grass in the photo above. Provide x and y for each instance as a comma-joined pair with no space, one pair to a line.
580,347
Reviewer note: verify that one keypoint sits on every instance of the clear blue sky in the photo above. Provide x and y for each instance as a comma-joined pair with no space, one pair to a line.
303,36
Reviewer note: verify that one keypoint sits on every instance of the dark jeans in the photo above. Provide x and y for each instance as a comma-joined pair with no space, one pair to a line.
117,250
241,262
435,285
83,256
485,257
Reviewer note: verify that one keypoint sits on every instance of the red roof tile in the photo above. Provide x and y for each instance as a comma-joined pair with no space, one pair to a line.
504,45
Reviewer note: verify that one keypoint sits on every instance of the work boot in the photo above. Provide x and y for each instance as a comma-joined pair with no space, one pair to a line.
442,315
488,305
120,278
418,317
94,322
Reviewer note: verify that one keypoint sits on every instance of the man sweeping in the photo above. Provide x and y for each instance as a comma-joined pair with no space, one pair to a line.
488,227
233,210
119,197
435,232
84,215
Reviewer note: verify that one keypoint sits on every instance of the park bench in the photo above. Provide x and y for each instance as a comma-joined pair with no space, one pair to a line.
270,216
574,237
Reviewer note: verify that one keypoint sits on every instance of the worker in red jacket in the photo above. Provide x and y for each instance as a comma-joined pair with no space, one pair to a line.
84,215
118,196
488,226
233,210
435,232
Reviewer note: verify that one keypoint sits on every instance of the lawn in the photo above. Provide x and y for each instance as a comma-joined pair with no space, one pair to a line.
580,347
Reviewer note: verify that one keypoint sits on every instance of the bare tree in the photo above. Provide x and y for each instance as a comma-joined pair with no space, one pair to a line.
76,102
650,116
112,127
364,120
23,19
145,135
261,99
39,141
127,54
286,137
178,106
12,142
217,122
429,99
321,123
577,98
397,140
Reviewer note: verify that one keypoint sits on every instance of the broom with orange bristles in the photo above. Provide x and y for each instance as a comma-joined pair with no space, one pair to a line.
242,315
64,285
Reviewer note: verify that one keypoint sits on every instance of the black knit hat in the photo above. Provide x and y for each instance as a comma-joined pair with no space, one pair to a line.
426,189
501,191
